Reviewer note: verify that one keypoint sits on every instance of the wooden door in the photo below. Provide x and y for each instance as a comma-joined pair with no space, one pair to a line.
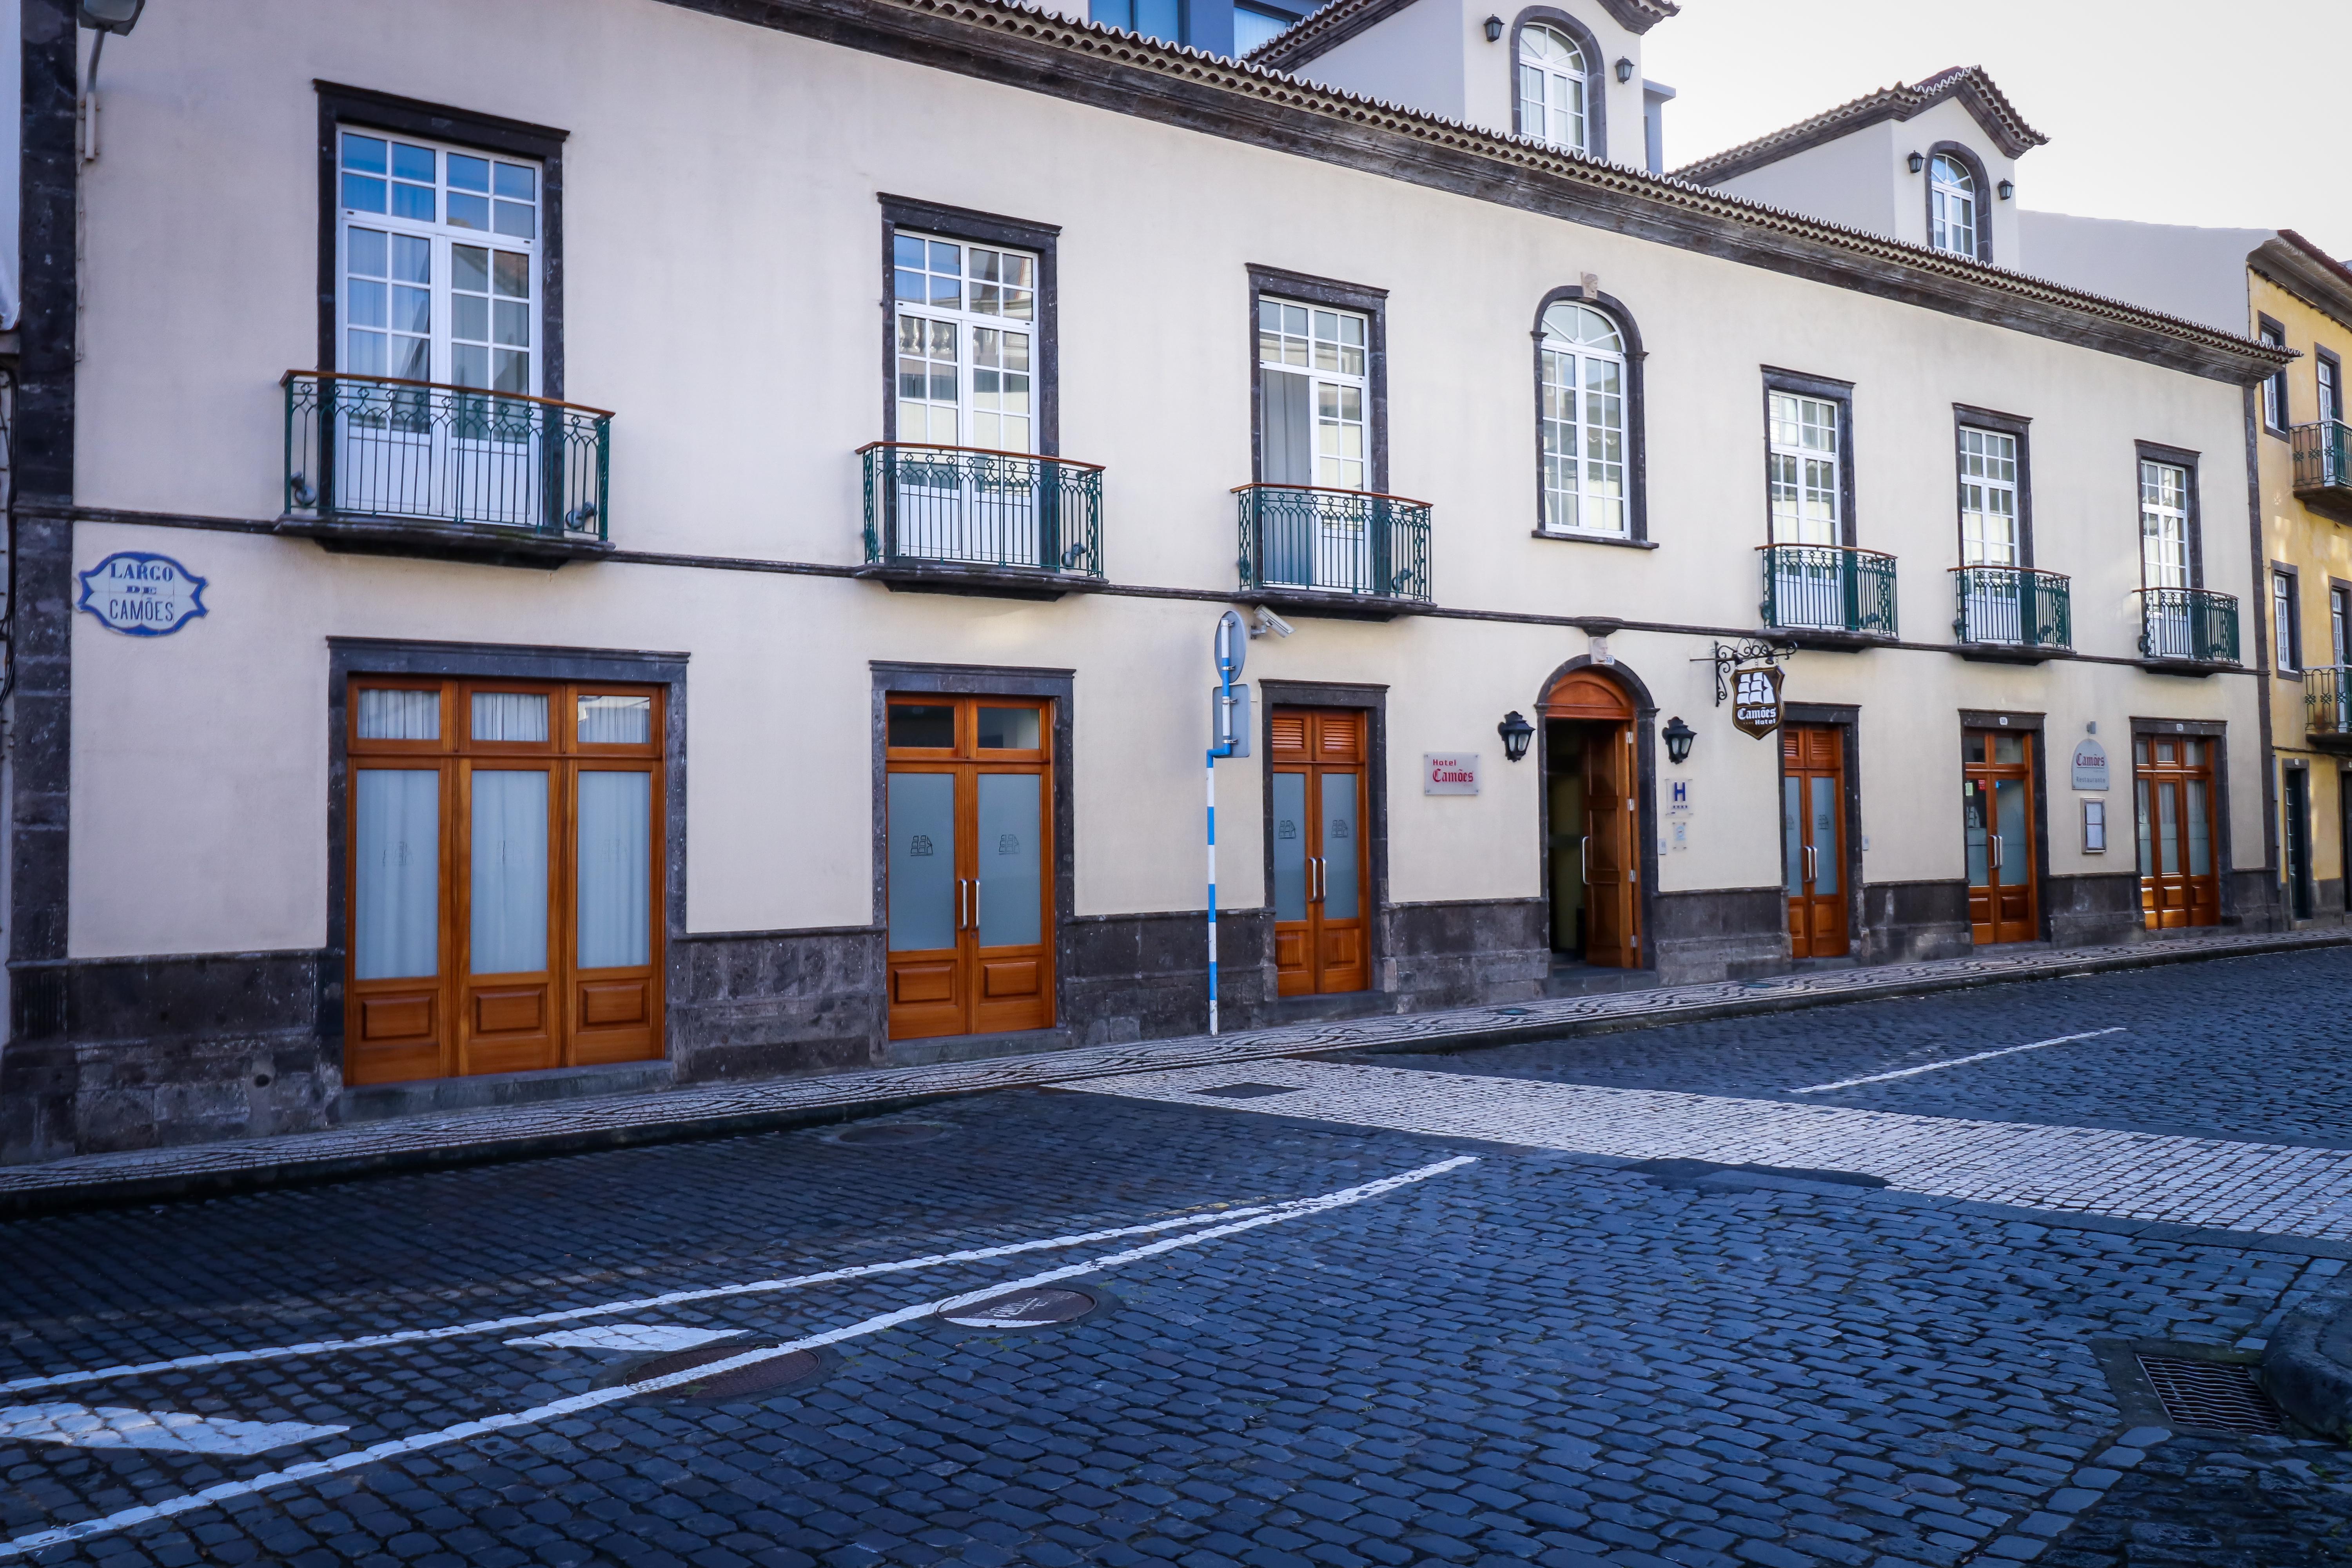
2173,800
1997,806
968,866
1612,855
1319,765
506,860
1813,821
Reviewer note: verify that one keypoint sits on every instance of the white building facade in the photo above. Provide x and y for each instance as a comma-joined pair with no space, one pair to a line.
710,519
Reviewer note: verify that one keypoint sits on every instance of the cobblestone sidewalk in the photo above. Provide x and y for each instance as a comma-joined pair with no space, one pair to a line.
508,1132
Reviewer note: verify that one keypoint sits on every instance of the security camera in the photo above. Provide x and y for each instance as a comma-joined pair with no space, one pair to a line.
1267,621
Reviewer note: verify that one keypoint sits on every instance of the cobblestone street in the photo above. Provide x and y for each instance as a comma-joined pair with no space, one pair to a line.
1658,1297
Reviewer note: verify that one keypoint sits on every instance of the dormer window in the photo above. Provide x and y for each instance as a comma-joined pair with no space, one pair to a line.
1552,77
1952,215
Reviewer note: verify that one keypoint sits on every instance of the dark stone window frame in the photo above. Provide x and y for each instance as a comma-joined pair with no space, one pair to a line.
1372,701
1967,418
2339,596
2182,459
2017,722
365,109
893,678
1645,794
2217,731
1596,75
2286,662
969,227
2271,394
1965,155
347,657
1838,392
1637,487
1304,288
2336,364
1846,718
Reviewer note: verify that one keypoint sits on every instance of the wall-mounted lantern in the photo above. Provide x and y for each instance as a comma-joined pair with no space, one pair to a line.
1516,733
2007,189
1494,29
111,15
1917,160
1679,737
1624,70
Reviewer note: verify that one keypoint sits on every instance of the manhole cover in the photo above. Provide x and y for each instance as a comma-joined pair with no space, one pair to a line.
735,1383
1023,1309
2217,1396
890,1134
1248,1090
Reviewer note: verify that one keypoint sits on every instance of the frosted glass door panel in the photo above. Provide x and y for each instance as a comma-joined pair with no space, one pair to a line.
1973,809
616,870
1011,894
2201,845
397,903
2009,807
1825,869
510,887
1290,847
1792,834
1339,836
922,862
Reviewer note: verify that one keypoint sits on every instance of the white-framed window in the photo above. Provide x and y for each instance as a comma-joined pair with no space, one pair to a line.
1806,477
1989,534
1952,201
1583,414
966,343
2330,381
439,263
2275,384
1315,391
2163,525
1552,77
2284,639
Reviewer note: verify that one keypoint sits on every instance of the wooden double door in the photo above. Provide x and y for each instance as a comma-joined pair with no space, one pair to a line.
2173,799
1319,822
969,808
506,858
1998,812
1813,839
1593,790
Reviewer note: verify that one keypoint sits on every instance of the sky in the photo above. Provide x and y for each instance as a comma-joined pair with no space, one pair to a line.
2168,109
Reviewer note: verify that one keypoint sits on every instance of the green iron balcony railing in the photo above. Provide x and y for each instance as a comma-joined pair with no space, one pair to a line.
1334,541
969,506
2323,466
2012,606
373,448
2328,700
1828,588
2189,626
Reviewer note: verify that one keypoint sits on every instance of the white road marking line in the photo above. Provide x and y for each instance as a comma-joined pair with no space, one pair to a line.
173,1431
641,1304
167,1508
629,1337
1957,1061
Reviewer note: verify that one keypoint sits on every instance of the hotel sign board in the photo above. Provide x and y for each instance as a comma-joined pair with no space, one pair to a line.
1756,701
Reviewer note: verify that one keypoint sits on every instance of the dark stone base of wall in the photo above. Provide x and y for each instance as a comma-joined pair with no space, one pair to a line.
1732,933
1146,977
1908,923
1461,954
770,1003
2255,901
2095,908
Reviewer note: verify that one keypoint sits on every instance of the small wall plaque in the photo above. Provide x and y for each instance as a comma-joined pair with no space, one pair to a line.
2090,764
2095,826
141,595
1449,772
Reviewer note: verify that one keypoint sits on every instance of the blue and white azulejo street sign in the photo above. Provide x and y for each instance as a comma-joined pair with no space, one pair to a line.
141,594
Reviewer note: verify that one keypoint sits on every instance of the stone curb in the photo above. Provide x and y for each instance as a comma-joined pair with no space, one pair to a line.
425,1143
2307,1364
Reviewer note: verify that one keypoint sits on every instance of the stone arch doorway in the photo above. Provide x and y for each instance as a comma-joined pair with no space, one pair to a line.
1593,787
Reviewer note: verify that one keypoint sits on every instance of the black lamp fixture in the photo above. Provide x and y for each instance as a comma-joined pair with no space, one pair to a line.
111,15
2007,189
1516,733
1494,29
1679,737
1917,160
1624,70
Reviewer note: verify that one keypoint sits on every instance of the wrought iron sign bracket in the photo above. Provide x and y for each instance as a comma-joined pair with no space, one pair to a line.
1747,651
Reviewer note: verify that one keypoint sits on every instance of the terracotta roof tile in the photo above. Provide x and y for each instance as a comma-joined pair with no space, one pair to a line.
1969,84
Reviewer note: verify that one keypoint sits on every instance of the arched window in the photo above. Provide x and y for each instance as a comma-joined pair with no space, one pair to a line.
1952,207
1583,414
1552,78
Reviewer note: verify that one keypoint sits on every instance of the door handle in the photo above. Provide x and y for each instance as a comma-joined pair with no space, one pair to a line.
1584,861
960,922
1315,877
1813,864
1994,840
975,903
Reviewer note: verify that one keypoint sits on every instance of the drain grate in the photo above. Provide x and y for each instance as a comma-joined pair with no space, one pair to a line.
2213,1395
1247,1090
737,1383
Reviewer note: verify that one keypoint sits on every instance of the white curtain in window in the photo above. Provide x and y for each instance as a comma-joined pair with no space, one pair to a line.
509,888
397,901
509,716
400,715
615,720
616,870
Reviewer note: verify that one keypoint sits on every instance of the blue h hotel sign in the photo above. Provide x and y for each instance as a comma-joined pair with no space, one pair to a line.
141,595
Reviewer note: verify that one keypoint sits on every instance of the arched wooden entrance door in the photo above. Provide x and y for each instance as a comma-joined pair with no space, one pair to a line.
1591,776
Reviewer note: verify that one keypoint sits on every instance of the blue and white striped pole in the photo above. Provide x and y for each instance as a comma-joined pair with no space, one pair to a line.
1213,884
1231,648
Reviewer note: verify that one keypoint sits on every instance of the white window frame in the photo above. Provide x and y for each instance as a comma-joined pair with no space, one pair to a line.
2283,620
1989,498
2328,376
982,305
2275,384
1954,206
1804,475
1585,454
1337,362
1547,94
2163,525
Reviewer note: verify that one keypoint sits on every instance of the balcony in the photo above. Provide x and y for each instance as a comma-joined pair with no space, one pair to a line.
2011,613
2327,706
386,467
966,520
2323,468
2187,631
1829,596
1356,554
